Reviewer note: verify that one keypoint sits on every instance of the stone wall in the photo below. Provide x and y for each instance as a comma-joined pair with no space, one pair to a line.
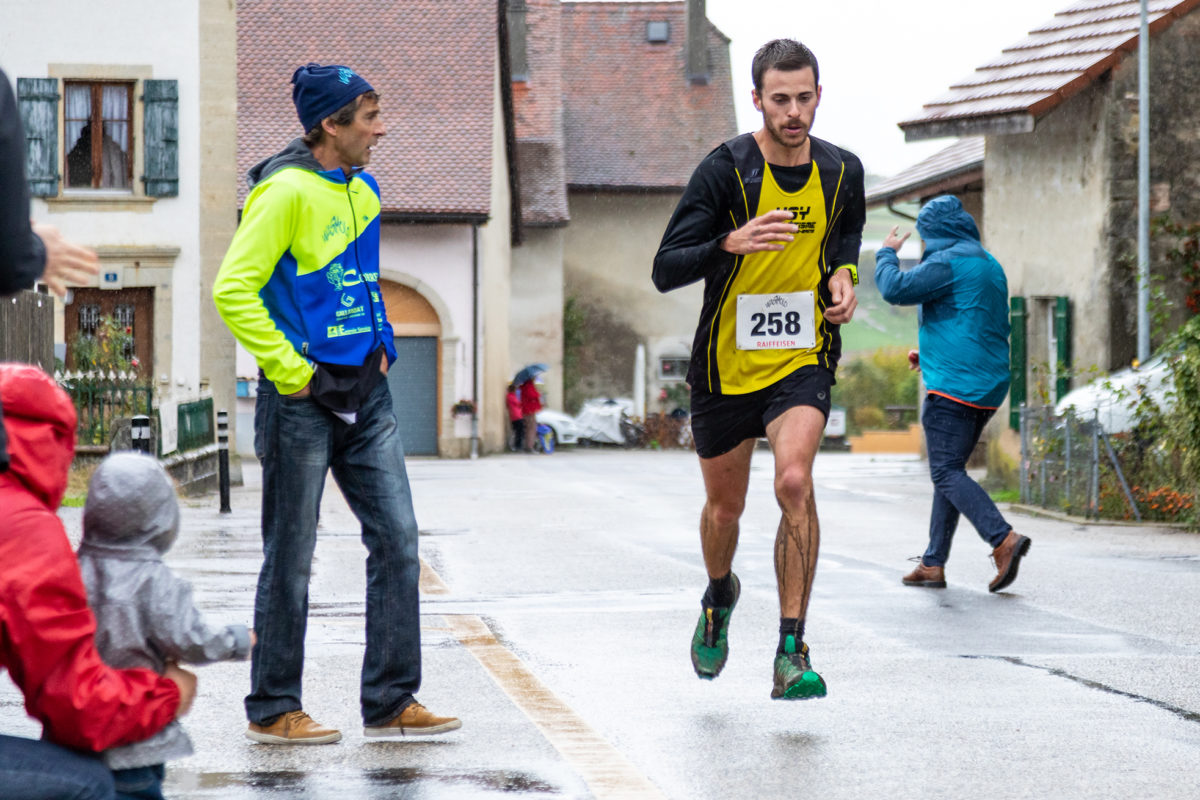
1174,180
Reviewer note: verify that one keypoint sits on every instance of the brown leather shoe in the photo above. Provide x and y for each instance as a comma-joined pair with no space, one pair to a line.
931,577
1007,557
416,720
294,727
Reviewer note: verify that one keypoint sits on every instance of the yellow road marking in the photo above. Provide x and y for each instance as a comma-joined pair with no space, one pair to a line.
430,582
605,770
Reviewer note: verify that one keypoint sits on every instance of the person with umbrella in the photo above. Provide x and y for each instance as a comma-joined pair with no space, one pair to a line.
531,402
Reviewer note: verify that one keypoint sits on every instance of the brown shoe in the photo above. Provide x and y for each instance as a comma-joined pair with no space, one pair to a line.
294,727
931,577
1007,557
416,720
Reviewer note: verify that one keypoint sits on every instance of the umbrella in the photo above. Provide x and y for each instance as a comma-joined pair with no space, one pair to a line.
529,372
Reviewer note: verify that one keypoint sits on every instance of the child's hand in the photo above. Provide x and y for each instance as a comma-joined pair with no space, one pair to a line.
253,639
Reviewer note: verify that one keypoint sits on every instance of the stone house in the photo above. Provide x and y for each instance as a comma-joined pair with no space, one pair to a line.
129,113
1058,112
606,140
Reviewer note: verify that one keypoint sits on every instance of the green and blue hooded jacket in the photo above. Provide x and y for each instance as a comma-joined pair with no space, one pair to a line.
300,283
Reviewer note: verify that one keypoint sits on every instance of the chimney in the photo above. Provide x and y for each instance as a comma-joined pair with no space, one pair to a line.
697,43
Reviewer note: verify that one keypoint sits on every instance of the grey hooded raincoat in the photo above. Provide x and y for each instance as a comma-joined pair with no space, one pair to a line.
144,613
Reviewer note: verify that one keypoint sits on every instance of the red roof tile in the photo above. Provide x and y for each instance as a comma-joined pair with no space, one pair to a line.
632,117
1054,62
434,64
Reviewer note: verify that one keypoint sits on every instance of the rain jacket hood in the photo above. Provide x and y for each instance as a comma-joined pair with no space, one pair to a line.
131,508
40,421
943,221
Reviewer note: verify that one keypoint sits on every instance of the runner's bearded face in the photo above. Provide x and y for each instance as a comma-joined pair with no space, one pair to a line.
788,103
355,141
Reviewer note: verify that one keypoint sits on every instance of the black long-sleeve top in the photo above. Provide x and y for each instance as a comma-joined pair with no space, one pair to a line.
721,196
22,256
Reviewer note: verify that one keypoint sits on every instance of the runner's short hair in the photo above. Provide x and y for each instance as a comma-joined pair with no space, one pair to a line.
782,54
343,116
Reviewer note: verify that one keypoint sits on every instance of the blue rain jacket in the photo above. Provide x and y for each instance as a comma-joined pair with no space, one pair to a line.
962,298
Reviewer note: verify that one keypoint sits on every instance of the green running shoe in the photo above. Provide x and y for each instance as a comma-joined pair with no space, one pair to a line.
710,642
794,676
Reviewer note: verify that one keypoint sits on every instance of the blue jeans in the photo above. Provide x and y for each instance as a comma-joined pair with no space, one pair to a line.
298,442
31,769
140,783
951,433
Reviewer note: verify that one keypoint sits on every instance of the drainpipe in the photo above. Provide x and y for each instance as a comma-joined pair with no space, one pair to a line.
477,340
1143,233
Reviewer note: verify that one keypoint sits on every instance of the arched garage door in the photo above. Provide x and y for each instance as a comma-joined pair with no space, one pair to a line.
414,378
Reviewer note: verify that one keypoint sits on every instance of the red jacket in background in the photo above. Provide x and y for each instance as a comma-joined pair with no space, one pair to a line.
46,628
513,401
531,401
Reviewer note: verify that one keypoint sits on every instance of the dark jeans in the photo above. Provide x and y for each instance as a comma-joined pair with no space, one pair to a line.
951,433
140,783
37,770
298,442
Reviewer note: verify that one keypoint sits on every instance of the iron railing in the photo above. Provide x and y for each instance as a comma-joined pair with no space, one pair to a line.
103,398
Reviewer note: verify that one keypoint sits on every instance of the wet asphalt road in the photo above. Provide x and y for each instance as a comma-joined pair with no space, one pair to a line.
561,597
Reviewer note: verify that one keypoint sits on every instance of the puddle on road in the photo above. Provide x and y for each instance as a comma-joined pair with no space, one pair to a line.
403,782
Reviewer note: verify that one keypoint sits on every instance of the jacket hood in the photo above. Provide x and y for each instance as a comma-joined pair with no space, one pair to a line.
296,154
130,505
945,218
39,419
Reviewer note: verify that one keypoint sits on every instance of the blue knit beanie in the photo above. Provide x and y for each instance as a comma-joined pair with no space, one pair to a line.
320,91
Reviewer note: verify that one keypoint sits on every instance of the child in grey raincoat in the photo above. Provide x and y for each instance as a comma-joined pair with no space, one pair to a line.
144,612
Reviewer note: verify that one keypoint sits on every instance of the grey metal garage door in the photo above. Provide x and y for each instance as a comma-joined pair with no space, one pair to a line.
413,381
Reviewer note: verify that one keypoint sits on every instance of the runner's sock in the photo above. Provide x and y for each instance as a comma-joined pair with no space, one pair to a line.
719,593
790,626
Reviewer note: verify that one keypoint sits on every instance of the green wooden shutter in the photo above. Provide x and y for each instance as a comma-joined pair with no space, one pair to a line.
1062,335
1017,361
38,101
161,134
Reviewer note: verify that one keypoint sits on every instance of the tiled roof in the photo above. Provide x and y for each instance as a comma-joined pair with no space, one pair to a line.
632,117
1054,62
434,65
538,118
952,168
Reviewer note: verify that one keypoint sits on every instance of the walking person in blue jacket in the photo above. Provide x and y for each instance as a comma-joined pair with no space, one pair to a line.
962,298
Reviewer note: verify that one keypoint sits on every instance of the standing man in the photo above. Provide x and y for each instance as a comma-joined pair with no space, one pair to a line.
299,288
772,222
963,340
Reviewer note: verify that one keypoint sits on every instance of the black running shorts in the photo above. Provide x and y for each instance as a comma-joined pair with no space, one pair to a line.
720,422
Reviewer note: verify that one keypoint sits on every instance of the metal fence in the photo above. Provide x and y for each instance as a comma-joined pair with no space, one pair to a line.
1069,464
103,398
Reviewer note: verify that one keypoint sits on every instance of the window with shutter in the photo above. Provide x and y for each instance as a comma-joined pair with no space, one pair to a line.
161,131
98,134
38,101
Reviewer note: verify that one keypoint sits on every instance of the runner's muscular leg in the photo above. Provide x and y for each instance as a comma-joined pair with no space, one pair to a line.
795,436
726,478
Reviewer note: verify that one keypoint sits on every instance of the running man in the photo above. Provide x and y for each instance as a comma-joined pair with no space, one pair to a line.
772,222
